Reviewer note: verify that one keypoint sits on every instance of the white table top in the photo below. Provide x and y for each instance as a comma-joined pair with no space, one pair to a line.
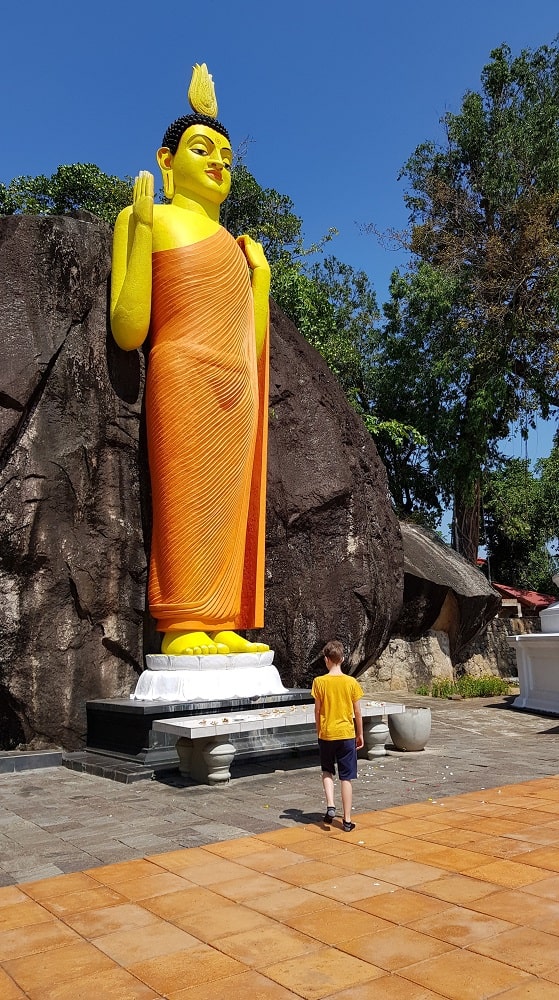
199,727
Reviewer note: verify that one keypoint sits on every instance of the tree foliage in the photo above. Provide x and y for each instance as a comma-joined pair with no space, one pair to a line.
472,331
263,213
332,304
521,519
409,385
486,207
335,309
72,187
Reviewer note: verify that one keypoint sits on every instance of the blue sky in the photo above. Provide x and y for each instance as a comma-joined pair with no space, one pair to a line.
334,96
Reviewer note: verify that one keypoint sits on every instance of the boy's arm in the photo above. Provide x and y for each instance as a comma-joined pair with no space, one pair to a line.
317,707
358,724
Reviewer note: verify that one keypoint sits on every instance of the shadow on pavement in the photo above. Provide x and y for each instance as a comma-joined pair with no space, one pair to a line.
306,818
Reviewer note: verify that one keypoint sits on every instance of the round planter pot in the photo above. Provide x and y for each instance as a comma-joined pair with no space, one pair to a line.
410,730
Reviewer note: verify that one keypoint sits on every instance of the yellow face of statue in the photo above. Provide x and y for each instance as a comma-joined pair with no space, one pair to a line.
201,165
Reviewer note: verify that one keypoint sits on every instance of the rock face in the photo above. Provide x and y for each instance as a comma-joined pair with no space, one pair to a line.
333,546
74,520
490,653
442,591
405,664
447,603
72,563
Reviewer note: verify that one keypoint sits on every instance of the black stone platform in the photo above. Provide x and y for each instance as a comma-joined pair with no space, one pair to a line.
122,745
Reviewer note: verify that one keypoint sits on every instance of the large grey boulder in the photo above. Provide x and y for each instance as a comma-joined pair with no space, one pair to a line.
447,602
333,545
442,591
74,517
72,561
407,664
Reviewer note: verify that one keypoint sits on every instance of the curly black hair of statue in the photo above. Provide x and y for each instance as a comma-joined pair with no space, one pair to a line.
175,131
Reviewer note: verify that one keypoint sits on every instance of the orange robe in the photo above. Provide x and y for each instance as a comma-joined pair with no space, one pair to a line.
206,408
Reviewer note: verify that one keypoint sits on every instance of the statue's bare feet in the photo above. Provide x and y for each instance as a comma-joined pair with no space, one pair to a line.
191,644
236,644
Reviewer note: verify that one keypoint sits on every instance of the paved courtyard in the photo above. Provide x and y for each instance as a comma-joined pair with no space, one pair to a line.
448,887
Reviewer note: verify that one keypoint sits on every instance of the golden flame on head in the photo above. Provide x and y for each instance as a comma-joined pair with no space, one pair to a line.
201,92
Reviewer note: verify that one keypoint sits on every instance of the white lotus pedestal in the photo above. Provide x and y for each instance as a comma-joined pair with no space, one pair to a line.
208,678
537,658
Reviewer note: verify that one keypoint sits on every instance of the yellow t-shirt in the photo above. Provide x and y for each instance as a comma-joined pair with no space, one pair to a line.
337,694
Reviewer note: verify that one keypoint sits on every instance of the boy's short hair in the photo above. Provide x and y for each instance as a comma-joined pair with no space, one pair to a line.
334,651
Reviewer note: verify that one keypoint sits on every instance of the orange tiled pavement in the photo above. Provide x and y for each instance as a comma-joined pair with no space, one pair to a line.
457,898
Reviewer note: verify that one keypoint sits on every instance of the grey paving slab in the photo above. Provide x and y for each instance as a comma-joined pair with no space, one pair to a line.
148,844
56,820
32,874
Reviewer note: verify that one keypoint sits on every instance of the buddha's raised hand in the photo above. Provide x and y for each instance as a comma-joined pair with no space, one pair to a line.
142,199
131,273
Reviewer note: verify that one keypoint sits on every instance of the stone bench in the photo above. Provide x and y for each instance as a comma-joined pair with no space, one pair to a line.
206,753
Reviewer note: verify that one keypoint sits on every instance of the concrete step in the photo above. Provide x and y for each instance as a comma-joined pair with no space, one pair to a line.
114,768
28,760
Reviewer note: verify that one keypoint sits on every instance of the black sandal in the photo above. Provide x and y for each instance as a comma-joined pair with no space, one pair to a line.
330,814
348,826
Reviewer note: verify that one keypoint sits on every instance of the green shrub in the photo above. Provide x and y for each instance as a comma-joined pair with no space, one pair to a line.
468,687
443,689
482,687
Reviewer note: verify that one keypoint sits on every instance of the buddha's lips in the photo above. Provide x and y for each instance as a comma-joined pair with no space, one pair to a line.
216,174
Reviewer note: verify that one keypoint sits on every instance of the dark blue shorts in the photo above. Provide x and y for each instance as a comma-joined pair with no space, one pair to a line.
342,752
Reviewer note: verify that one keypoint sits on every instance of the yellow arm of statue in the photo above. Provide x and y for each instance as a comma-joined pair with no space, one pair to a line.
131,270
260,286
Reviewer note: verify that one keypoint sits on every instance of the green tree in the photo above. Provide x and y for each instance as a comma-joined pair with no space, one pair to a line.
335,309
520,524
332,304
72,187
411,385
548,470
484,211
263,213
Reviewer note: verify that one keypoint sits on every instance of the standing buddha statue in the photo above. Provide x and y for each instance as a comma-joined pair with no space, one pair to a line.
202,297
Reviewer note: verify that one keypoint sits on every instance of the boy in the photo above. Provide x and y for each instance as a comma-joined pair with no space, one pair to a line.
339,725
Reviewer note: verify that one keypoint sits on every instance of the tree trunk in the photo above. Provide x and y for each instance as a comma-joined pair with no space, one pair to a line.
465,525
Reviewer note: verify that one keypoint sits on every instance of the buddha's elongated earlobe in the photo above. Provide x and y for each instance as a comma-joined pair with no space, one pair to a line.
168,184
165,161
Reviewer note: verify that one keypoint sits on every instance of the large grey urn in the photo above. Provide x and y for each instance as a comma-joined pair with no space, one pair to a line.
410,730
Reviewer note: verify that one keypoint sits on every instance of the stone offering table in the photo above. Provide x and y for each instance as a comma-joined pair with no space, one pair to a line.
204,743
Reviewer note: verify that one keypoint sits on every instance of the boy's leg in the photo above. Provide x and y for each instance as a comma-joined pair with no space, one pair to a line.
327,763
347,798
328,785
347,770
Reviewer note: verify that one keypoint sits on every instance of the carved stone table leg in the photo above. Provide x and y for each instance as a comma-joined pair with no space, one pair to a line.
211,760
375,734
218,757
184,751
